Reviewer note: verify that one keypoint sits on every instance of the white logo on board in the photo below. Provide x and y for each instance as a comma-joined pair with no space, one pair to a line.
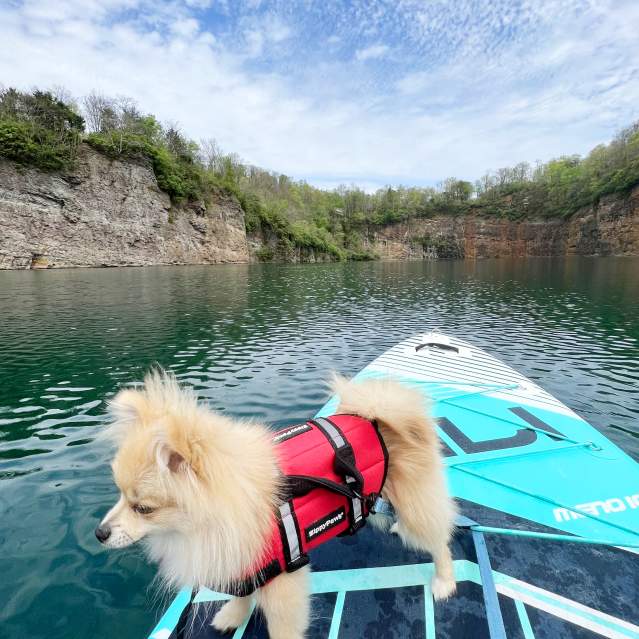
599,507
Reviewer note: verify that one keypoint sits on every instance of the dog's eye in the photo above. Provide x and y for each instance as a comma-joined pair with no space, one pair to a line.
142,510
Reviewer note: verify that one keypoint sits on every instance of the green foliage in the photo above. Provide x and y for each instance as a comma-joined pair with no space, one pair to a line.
42,130
16,142
272,219
38,129
119,145
265,254
253,210
180,178
562,186
361,256
455,190
310,236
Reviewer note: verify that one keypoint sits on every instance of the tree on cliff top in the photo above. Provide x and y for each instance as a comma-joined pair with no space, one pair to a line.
38,129
44,128
121,131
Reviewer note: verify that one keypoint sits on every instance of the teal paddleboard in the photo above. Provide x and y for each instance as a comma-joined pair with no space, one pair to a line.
548,538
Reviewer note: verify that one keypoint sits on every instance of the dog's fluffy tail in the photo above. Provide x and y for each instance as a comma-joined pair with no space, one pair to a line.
396,407
416,483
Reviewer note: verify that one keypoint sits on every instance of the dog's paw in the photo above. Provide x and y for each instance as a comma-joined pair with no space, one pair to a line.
442,588
394,529
231,615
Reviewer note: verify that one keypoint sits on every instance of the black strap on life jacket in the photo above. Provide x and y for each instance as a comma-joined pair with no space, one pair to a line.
294,558
346,467
300,485
247,586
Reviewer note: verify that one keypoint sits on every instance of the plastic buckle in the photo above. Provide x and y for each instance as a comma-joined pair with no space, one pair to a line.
382,507
300,562
356,526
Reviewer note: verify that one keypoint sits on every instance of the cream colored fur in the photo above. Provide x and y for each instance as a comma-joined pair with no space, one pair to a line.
416,483
213,484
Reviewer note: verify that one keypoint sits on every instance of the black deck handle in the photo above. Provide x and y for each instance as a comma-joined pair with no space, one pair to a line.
442,347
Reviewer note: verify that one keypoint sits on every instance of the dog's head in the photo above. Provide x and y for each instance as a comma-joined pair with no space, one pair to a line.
157,466
199,487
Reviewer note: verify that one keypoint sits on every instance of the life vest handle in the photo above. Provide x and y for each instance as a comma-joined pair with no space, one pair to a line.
299,485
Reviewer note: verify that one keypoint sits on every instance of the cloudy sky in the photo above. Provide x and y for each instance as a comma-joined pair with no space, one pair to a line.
370,92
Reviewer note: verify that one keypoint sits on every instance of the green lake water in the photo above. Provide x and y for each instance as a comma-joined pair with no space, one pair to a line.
254,341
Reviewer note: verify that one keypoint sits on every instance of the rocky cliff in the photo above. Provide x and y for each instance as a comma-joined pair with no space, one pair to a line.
610,228
109,213
112,213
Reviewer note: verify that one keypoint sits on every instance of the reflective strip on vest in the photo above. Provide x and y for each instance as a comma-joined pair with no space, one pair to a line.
333,433
339,442
356,503
291,532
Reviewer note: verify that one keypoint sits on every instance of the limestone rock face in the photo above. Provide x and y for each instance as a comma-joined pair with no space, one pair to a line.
109,213
610,228
112,213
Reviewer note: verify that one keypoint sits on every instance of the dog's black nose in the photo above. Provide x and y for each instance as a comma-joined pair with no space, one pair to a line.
103,532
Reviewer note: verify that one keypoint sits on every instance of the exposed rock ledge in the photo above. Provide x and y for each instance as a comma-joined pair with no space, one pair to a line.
112,213
109,213
611,228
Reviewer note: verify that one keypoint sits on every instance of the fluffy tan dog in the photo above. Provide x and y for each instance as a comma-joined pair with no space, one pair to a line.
200,490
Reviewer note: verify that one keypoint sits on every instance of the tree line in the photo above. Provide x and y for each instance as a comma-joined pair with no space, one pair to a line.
44,129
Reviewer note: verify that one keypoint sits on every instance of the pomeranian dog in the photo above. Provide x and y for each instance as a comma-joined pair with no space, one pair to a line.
201,489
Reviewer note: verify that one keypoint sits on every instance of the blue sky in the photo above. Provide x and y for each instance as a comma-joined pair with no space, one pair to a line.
372,93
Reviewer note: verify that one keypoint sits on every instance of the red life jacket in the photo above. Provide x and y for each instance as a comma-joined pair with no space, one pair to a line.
335,468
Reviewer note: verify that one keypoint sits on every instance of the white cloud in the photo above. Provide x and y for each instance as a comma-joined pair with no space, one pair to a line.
265,31
372,52
254,42
198,4
413,83
186,27
276,30
452,101
70,9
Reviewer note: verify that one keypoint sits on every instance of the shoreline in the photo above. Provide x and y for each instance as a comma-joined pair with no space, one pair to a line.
523,258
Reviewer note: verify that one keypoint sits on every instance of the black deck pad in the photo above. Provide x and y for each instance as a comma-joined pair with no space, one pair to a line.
602,578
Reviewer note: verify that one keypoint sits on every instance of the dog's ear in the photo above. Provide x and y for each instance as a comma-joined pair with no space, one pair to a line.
170,459
182,446
128,405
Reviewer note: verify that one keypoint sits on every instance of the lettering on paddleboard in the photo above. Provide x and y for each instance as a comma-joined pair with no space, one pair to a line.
533,420
599,507
522,437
